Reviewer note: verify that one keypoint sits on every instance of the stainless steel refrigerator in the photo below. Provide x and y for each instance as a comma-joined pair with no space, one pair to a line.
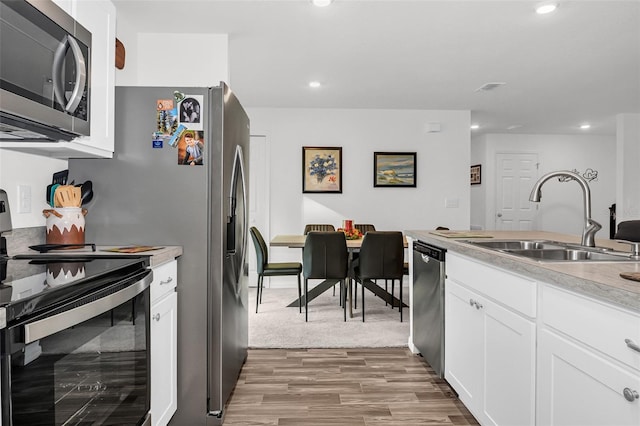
149,194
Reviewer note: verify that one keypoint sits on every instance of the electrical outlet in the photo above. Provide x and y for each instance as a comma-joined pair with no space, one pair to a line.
24,199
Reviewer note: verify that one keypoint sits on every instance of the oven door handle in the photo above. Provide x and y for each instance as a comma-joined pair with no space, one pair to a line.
55,323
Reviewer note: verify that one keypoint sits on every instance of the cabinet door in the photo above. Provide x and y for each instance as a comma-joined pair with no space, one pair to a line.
578,387
509,366
489,357
164,345
99,17
463,343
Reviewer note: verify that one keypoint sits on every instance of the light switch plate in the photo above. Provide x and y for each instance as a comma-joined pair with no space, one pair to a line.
24,199
452,203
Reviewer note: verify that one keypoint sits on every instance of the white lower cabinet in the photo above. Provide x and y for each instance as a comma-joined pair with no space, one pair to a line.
164,343
490,361
490,348
588,362
521,352
578,387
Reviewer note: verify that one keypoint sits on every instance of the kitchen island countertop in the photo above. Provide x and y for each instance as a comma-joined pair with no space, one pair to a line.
600,280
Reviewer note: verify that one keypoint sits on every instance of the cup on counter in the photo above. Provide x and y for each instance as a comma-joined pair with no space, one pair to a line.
65,225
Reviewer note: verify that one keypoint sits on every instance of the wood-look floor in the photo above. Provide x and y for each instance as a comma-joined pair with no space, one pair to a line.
308,387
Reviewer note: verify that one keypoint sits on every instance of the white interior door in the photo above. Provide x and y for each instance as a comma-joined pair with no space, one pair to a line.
516,173
258,197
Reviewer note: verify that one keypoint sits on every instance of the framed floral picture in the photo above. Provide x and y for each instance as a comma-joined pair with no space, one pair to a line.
394,169
321,169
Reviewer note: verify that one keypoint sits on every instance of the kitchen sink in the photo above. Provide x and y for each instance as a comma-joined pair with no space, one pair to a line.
517,244
554,251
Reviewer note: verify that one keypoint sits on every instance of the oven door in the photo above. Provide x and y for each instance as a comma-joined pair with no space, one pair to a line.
83,363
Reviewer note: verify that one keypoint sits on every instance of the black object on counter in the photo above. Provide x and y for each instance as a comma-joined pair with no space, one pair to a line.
44,248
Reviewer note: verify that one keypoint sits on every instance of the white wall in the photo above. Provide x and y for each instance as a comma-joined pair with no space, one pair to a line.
628,169
442,167
171,59
478,192
561,208
35,171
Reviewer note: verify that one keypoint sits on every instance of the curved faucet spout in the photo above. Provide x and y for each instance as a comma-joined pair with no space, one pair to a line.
590,225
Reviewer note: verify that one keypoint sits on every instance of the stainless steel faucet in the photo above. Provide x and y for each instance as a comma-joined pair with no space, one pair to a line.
590,225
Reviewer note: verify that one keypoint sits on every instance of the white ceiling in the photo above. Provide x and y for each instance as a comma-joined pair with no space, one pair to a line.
579,64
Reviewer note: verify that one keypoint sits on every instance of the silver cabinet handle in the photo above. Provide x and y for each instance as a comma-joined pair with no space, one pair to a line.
169,280
476,304
156,317
58,77
633,345
630,395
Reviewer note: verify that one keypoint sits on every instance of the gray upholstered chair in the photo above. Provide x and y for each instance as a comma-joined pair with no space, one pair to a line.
266,269
381,257
318,227
325,257
364,227
322,227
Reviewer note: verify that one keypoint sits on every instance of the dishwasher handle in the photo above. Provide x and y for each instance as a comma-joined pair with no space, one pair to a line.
427,250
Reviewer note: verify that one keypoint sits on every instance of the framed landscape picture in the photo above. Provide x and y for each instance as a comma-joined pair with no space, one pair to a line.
476,174
394,169
321,169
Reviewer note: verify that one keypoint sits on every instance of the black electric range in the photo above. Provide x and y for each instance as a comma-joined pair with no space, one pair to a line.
29,285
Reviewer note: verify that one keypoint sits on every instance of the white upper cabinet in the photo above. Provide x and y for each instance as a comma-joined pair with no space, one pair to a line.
99,17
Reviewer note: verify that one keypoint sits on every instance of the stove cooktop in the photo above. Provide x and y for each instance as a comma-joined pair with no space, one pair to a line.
27,285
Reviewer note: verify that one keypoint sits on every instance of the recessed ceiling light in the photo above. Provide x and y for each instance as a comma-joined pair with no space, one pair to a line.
475,126
314,84
546,7
585,126
321,3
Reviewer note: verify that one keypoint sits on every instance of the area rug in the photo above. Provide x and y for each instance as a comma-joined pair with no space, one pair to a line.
278,326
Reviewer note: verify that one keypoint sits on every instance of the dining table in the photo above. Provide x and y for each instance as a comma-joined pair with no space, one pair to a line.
353,246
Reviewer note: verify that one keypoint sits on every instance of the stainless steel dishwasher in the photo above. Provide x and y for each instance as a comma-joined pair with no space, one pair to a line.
428,303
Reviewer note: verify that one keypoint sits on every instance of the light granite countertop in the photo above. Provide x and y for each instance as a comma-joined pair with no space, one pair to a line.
600,280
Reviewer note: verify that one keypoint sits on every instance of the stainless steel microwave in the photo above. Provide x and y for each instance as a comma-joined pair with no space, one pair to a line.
45,69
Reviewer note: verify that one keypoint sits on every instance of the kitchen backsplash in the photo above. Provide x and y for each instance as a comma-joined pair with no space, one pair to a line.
19,240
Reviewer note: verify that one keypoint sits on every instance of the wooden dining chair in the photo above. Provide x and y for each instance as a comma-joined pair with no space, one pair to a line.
381,257
325,257
266,269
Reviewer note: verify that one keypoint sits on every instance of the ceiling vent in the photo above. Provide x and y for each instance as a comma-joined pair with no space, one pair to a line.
489,86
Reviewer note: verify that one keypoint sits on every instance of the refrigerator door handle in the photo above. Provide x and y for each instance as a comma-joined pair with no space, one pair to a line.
237,176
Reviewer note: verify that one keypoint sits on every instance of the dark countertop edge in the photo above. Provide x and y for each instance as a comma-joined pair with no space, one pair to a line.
598,290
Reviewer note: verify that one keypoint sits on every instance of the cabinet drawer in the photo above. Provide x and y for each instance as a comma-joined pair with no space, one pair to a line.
609,329
165,279
517,292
